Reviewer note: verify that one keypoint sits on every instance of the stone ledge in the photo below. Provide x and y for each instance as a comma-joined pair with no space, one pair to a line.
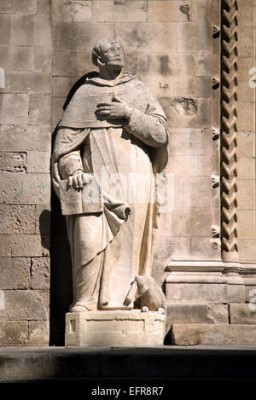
191,335
163,363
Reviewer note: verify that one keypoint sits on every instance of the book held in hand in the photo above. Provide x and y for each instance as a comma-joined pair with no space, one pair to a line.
83,201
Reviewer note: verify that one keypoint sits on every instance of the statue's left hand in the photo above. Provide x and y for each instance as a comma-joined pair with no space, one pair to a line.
117,109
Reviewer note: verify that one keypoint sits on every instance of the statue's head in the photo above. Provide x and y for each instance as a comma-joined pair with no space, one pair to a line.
109,53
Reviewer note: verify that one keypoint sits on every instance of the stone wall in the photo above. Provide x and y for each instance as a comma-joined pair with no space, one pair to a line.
25,114
45,47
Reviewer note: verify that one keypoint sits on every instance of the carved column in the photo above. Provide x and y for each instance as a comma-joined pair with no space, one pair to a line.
229,66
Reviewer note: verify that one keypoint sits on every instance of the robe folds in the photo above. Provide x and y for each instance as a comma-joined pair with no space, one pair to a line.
109,248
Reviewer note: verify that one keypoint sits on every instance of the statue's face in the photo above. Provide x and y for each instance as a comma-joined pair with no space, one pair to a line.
112,55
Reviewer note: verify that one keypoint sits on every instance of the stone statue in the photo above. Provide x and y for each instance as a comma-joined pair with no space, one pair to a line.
109,150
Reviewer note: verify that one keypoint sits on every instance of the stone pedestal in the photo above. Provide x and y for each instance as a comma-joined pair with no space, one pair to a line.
115,329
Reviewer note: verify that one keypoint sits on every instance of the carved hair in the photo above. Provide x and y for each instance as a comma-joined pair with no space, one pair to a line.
98,47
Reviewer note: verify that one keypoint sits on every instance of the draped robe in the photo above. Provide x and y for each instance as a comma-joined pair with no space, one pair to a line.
109,248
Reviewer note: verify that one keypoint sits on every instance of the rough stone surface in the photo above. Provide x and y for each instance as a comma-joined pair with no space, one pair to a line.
26,305
12,162
25,189
216,293
25,138
242,314
38,333
192,335
17,219
13,333
40,273
15,273
38,162
115,328
197,313
236,293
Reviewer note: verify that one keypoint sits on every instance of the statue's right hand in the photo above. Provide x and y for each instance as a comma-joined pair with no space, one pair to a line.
79,180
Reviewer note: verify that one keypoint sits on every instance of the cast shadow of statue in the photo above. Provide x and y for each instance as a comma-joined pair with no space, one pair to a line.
61,271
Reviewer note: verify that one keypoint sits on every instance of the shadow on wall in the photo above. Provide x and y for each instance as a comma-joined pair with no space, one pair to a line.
61,272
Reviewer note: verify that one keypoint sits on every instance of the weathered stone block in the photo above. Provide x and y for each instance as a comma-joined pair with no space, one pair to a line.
114,328
15,273
246,144
27,304
216,293
236,293
246,194
72,10
245,124
43,219
21,6
43,6
14,108
179,313
208,167
164,64
79,36
247,250
205,248
38,333
17,58
29,246
40,273
13,333
38,162
174,248
5,28
192,335
25,189
62,85
185,165
43,58
190,142
172,11
147,37
40,109
5,245
71,68
187,112
186,223
203,64
31,30
247,224
194,37
246,168
119,10
28,81
13,162
195,87
247,41
242,314
25,138
17,219
193,192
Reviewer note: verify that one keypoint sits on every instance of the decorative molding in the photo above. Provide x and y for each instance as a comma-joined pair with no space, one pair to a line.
229,83
211,266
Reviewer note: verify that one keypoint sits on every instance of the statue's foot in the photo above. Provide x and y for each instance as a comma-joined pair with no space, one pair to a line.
145,309
79,308
161,310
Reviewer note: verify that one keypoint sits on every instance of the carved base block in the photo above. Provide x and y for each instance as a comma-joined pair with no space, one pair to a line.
115,329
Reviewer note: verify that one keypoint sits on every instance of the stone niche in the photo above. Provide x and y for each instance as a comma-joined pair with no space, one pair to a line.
197,57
